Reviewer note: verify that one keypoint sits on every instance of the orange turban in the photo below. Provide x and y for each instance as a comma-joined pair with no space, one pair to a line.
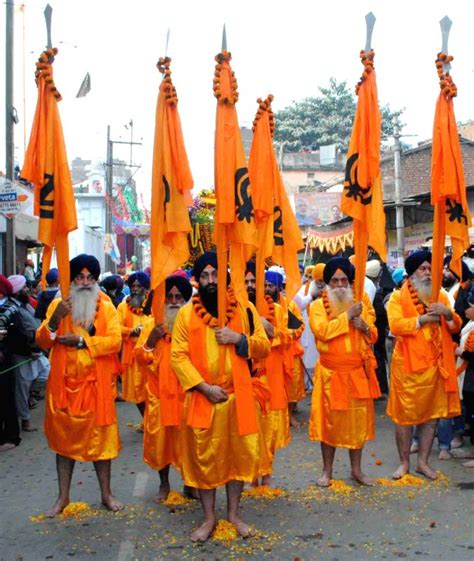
318,271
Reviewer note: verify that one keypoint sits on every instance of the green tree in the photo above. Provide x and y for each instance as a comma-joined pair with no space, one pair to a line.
326,119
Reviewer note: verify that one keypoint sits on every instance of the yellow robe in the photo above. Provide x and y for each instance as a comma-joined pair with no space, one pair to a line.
296,390
133,375
77,435
160,443
417,397
212,457
350,428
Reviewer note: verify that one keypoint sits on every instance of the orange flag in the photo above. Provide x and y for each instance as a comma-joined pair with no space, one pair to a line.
279,236
448,186
46,167
235,232
362,195
171,192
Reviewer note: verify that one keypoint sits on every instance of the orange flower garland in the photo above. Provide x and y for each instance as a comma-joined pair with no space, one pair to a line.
367,59
206,317
469,346
271,309
44,69
327,305
448,87
224,56
138,311
420,307
265,105
163,66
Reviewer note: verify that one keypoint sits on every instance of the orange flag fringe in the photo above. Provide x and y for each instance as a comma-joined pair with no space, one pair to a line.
448,185
279,236
171,192
46,167
235,233
362,195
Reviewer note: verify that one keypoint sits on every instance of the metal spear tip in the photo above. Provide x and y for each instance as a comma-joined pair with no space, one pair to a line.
369,22
167,41
224,39
445,25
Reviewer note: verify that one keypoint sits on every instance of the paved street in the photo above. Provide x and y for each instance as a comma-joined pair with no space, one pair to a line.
429,521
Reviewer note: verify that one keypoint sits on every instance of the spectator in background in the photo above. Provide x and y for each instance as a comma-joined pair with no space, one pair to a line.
48,295
122,289
109,287
29,271
34,287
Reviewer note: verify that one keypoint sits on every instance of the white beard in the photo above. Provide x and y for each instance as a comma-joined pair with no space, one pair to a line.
423,289
84,301
340,299
170,316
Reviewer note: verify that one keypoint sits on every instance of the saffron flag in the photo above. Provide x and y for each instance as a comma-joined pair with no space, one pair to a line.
171,192
362,195
235,233
279,236
46,167
448,185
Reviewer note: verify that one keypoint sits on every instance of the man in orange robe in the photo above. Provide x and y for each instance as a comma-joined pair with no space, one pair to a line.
82,333
164,395
221,443
133,313
423,381
293,362
345,383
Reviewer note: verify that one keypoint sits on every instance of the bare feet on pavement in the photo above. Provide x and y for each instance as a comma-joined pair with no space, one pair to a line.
28,427
242,528
424,469
7,446
457,442
266,480
294,423
162,494
401,471
324,480
113,504
204,531
363,479
58,507
469,464
444,454
466,454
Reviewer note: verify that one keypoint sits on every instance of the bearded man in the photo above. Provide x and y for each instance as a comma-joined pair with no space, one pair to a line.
345,382
221,443
82,333
133,312
164,395
423,380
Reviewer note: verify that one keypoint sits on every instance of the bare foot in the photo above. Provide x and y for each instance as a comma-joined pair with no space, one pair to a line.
414,448
363,479
266,480
324,480
464,454
254,483
58,507
425,470
162,494
191,492
242,528
28,427
294,423
402,470
202,533
457,442
113,504
469,464
444,454
7,446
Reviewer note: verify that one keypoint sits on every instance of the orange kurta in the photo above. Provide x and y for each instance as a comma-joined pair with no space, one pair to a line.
342,410
133,375
213,456
295,383
160,442
71,427
418,394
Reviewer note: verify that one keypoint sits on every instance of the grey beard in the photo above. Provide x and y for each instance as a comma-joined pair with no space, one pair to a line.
84,301
423,289
136,300
170,317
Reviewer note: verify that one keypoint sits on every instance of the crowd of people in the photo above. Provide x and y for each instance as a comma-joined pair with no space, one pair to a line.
218,398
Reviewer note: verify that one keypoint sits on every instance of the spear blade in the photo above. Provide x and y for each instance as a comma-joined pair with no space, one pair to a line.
48,12
224,39
167,41
445,25
369,22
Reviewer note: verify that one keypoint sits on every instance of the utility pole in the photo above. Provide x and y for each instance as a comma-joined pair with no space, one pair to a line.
400,221
10,250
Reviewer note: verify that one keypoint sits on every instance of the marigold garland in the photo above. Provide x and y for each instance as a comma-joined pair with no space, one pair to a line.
224,57
163,66
225,531
140,311
419,305
264,492
210,320
327,305
367,59
271,309
448,87
265,106
176,499
44,69
469,345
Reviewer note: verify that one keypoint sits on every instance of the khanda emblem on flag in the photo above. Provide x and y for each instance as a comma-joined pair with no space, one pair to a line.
352,188
46,198
455,212
167,197
243,199
278,226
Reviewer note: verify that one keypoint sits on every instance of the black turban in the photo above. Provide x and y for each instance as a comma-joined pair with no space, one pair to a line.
336,263
110,283
182,284
250,268
415,259
208,258
141,277
84,261
466,272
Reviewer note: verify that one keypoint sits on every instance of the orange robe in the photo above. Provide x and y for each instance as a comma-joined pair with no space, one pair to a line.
418,390
342,409
294,361
213,456
80,420
133,375
160,438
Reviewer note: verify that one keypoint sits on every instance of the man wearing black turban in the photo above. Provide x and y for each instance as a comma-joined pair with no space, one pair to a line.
82,333
345,382
133,312
164,396
423,379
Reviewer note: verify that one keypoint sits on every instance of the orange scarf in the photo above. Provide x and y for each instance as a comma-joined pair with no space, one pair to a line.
416,349
201,410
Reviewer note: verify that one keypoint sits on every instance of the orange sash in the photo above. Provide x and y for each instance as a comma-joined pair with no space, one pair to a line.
171,392
201,410
129,343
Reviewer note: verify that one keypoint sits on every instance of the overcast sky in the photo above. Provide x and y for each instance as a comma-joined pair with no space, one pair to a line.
284,48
